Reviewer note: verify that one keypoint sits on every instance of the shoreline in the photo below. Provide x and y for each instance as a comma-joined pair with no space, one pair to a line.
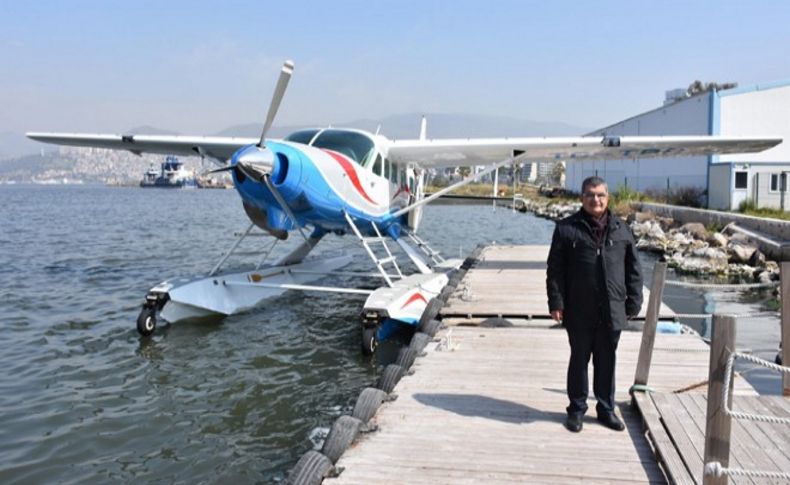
689,248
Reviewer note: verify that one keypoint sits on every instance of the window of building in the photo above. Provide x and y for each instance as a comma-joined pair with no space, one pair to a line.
778,182
741,180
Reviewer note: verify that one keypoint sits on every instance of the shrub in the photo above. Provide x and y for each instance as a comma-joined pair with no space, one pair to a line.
687,196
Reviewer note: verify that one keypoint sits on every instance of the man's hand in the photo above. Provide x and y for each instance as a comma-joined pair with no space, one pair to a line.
556,315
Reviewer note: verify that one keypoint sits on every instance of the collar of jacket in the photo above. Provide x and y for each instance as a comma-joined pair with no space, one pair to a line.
612,224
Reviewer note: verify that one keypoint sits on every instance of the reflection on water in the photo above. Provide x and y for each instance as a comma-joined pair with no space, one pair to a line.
84,398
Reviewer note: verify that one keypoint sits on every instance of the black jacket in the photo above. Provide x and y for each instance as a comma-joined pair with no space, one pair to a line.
593,284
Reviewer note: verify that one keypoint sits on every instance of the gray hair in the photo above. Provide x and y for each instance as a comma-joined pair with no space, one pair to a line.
593,181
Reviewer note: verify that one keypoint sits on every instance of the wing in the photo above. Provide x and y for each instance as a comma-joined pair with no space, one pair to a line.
220,148
483,151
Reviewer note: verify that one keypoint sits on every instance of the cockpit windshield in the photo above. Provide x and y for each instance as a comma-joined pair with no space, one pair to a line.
302,136
356,146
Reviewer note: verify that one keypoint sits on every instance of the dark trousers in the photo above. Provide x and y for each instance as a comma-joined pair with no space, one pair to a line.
600,342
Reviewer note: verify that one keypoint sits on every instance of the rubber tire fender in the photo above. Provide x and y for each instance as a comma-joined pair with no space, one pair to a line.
368,403
406,357
431,310
419,340
311,469
344,431
445,294
431,327
456,278
390,377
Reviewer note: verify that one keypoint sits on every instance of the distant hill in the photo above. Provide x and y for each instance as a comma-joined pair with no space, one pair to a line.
150,130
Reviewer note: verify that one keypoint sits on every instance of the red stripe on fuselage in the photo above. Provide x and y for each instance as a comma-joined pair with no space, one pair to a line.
403,189
414,297
352,174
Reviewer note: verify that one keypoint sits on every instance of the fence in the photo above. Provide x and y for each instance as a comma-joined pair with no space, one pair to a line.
722,356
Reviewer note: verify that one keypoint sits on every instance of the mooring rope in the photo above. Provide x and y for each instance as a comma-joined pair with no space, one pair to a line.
709,315
714,468
725,390
714,286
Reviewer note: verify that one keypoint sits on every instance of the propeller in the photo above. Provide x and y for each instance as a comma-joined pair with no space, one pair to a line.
277,97
258,161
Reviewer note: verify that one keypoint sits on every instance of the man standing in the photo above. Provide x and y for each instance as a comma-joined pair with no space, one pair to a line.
593,283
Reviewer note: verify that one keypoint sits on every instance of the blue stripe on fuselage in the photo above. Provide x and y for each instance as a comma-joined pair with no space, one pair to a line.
308,195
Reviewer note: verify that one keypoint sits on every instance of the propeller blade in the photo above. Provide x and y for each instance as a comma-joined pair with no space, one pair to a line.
279,92
218,170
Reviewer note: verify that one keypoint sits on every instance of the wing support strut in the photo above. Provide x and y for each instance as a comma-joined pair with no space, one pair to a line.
456,185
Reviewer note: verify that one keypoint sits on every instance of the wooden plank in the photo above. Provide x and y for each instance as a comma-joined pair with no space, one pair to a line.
674,465
779,407
508,280
763,438
682,433
696,404
487,405
651,322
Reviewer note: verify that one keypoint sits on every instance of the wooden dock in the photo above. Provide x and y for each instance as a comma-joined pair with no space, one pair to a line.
507,282
486,403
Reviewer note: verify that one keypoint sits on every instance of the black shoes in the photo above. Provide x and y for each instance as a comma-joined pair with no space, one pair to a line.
611,421
574,422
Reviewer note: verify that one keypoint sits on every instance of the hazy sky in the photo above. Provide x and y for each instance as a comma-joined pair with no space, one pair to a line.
198,66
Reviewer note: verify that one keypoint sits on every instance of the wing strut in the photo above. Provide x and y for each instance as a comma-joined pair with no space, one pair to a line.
456,185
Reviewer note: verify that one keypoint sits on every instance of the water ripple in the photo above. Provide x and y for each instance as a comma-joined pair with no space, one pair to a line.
83,398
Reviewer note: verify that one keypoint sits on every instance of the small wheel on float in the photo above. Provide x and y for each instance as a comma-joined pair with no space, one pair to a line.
146,321
369,340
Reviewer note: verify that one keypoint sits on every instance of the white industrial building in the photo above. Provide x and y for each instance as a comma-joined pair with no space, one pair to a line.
759,110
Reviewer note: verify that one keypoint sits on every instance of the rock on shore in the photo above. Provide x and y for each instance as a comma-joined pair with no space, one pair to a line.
689,248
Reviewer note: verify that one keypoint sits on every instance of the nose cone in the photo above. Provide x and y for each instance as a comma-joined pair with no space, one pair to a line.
255,161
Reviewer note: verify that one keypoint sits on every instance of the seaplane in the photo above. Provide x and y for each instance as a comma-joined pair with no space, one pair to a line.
354,183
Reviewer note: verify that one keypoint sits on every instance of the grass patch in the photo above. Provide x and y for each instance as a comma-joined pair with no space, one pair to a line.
749,208
620,201
487,190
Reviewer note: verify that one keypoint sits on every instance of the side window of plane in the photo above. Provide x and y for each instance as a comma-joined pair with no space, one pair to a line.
393,172
377,166
387,168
